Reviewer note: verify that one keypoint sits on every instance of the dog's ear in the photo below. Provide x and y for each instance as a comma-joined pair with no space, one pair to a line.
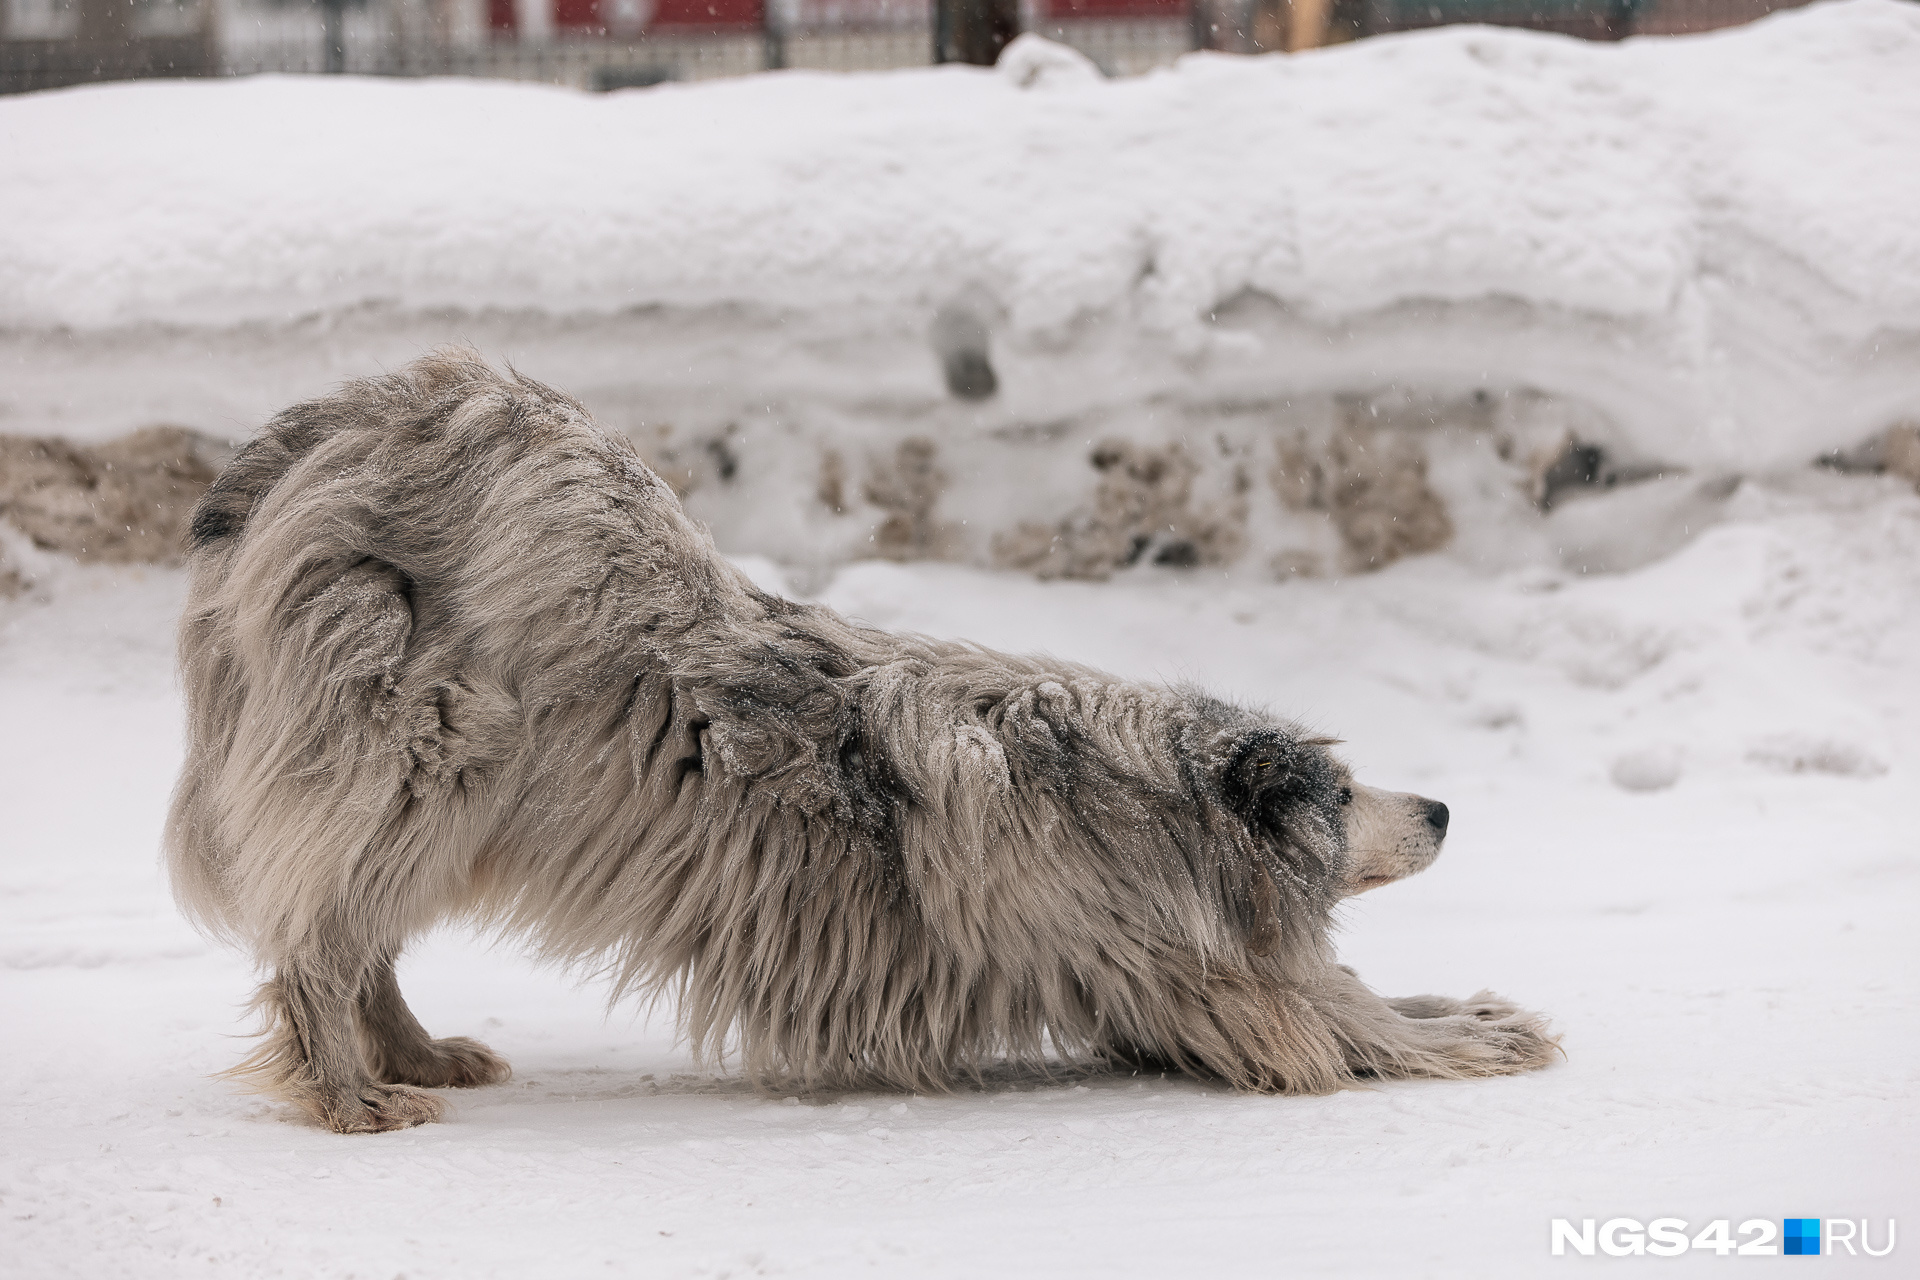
1269,773
1263,938
1259,781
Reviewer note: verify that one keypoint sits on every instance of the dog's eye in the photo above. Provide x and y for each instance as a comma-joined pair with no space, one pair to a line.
1346,795
1263,764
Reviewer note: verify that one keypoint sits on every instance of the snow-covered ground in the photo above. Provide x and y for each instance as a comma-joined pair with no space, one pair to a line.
1683,824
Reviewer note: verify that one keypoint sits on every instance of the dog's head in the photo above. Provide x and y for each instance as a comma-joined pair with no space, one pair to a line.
1390,835
1305,807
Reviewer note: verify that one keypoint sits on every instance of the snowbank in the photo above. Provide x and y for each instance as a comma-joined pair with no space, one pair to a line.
1695,252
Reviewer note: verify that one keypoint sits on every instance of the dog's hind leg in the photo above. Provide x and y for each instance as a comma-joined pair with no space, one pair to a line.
399,1050
311,1056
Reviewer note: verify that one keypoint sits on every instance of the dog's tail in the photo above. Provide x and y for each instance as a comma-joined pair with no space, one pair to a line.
450,375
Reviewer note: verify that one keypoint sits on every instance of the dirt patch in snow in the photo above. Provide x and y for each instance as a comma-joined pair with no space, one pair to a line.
1372,483
1143,508
126,501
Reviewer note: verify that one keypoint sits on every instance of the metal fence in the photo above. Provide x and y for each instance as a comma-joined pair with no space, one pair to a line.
827,35
612,44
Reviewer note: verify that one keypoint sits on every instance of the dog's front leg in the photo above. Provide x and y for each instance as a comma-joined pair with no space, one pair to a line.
1433,1036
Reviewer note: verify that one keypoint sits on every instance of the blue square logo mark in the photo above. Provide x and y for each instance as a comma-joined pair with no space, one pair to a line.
1802,1236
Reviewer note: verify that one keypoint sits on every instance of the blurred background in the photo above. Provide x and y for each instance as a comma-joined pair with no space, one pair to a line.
611,44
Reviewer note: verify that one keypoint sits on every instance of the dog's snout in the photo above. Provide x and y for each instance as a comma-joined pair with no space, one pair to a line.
1437,818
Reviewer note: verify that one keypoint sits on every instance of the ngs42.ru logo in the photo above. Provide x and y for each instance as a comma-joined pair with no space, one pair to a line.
1755,1238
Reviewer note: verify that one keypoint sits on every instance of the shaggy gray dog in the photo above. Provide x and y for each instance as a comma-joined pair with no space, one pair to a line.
452,650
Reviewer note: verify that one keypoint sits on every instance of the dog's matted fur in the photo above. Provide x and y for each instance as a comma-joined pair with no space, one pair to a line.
453,650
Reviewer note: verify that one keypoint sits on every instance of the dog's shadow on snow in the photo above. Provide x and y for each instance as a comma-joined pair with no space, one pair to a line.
564,1086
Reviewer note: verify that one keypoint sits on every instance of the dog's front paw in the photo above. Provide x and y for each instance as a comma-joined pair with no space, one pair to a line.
454,1063
380,1108
1488,1007
1484,1005
1508,1040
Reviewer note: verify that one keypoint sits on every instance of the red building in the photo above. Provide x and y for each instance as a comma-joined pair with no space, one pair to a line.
631,17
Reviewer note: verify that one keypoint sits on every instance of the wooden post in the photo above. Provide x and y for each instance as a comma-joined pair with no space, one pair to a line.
974,31
1308,27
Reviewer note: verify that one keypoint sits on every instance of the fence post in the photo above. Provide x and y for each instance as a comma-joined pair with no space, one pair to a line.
974,31
1200,23
333,30
773,31
1620,15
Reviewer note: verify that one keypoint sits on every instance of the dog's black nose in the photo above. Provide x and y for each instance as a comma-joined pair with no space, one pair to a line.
1437,818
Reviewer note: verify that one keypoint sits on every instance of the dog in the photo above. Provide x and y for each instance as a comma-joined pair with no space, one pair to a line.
451,650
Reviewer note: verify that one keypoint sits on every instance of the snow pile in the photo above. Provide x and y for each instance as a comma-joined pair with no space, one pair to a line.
1682,825
906,314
